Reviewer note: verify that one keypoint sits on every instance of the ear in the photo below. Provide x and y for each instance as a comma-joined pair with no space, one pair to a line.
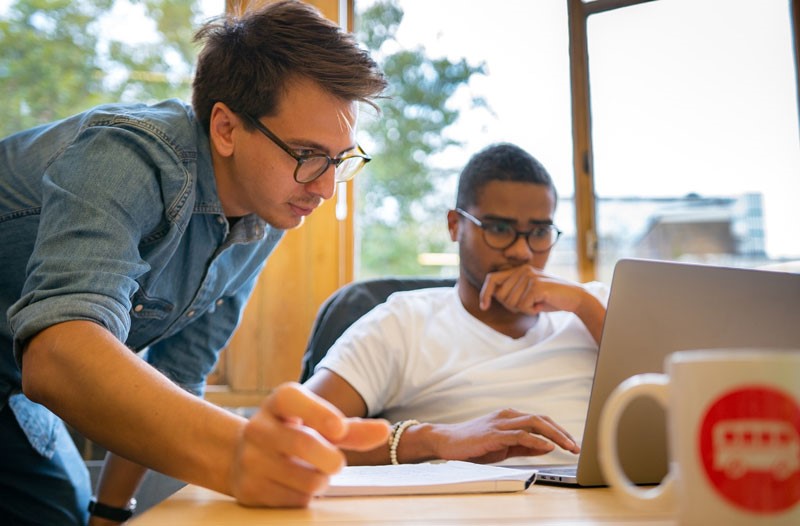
223,123
452,224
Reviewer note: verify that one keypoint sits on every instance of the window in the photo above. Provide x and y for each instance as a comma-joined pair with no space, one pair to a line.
694,127
522,48
60,58
695,132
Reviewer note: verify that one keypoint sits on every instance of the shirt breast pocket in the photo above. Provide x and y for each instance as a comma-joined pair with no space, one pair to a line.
150,318
145,307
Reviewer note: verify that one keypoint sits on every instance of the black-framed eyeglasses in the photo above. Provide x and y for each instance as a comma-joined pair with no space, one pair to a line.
500,235
311,166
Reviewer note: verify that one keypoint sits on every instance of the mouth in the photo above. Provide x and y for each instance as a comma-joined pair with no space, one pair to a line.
510,266
302,211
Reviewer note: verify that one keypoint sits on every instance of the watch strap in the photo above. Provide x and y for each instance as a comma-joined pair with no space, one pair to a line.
104,511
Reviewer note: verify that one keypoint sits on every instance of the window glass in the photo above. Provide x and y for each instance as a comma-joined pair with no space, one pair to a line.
60,58
695,132
521,96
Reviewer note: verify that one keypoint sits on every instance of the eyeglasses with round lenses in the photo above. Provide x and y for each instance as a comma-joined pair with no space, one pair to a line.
311,166
500,235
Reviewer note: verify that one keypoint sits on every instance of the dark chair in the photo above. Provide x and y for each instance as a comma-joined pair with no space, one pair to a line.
348,304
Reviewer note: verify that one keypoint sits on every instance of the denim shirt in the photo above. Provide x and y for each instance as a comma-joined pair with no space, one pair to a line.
113,216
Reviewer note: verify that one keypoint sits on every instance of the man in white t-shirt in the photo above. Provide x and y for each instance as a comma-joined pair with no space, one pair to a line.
498,366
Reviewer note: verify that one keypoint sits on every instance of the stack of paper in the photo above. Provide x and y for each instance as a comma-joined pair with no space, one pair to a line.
428,478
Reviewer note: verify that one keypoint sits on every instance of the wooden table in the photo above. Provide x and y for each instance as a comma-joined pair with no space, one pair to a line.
540,504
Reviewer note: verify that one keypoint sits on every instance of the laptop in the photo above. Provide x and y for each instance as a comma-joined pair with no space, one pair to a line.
658,307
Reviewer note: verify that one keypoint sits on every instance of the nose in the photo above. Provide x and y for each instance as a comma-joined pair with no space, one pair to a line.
323,186
519,249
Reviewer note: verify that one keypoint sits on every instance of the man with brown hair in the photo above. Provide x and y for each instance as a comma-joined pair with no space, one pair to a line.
143,228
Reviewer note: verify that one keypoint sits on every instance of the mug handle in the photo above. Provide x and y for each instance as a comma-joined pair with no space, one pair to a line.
657,497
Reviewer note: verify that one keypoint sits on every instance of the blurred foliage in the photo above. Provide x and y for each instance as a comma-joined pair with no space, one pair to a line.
400,208
60,57
55,60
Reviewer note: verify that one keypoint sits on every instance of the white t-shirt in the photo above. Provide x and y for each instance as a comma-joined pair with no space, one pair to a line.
421,355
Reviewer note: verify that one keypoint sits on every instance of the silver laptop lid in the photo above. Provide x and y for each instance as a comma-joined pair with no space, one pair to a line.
658,307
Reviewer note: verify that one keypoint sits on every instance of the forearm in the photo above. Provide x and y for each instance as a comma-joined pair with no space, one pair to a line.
490,438
417,444
83,374
592,313
118,482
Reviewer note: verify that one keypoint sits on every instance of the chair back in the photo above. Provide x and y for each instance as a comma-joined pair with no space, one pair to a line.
348,304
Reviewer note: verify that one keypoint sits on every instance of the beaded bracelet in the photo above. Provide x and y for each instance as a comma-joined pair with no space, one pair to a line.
397,431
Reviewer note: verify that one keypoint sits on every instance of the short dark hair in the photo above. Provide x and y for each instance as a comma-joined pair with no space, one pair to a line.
247,60
499,162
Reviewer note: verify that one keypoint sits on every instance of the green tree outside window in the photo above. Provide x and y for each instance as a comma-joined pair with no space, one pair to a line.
400,197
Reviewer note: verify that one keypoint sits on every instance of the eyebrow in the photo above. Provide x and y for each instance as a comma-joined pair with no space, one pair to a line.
312,145
501,219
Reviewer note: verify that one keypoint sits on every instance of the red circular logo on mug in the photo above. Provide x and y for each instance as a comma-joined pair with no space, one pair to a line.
750,448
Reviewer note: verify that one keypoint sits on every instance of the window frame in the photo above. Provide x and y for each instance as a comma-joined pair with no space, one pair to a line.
585,199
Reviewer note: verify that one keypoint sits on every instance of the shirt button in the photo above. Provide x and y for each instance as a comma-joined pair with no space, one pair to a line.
220,302
190,314
138,308
220,220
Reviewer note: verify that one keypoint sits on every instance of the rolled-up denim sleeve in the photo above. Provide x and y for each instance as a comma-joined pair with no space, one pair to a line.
99,197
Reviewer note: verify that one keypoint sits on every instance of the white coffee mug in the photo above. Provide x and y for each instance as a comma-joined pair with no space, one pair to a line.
733,420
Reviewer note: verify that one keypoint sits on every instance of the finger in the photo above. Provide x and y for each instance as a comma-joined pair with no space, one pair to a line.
546,427
513,419
491,283
529,441
312,448
285,483
272,494
558,426
512,292
542,425
265,475
272,437
280,496
531,301
292,401
365,434
487,291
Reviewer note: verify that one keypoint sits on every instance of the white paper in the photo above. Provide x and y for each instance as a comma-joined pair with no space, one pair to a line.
437,477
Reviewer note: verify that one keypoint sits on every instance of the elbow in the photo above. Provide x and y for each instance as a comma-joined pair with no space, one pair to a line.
31,387
34,376
59,363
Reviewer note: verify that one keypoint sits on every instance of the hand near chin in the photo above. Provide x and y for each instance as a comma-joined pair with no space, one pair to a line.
528,290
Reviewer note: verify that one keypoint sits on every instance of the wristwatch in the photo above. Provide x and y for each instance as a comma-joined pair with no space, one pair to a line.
104,511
